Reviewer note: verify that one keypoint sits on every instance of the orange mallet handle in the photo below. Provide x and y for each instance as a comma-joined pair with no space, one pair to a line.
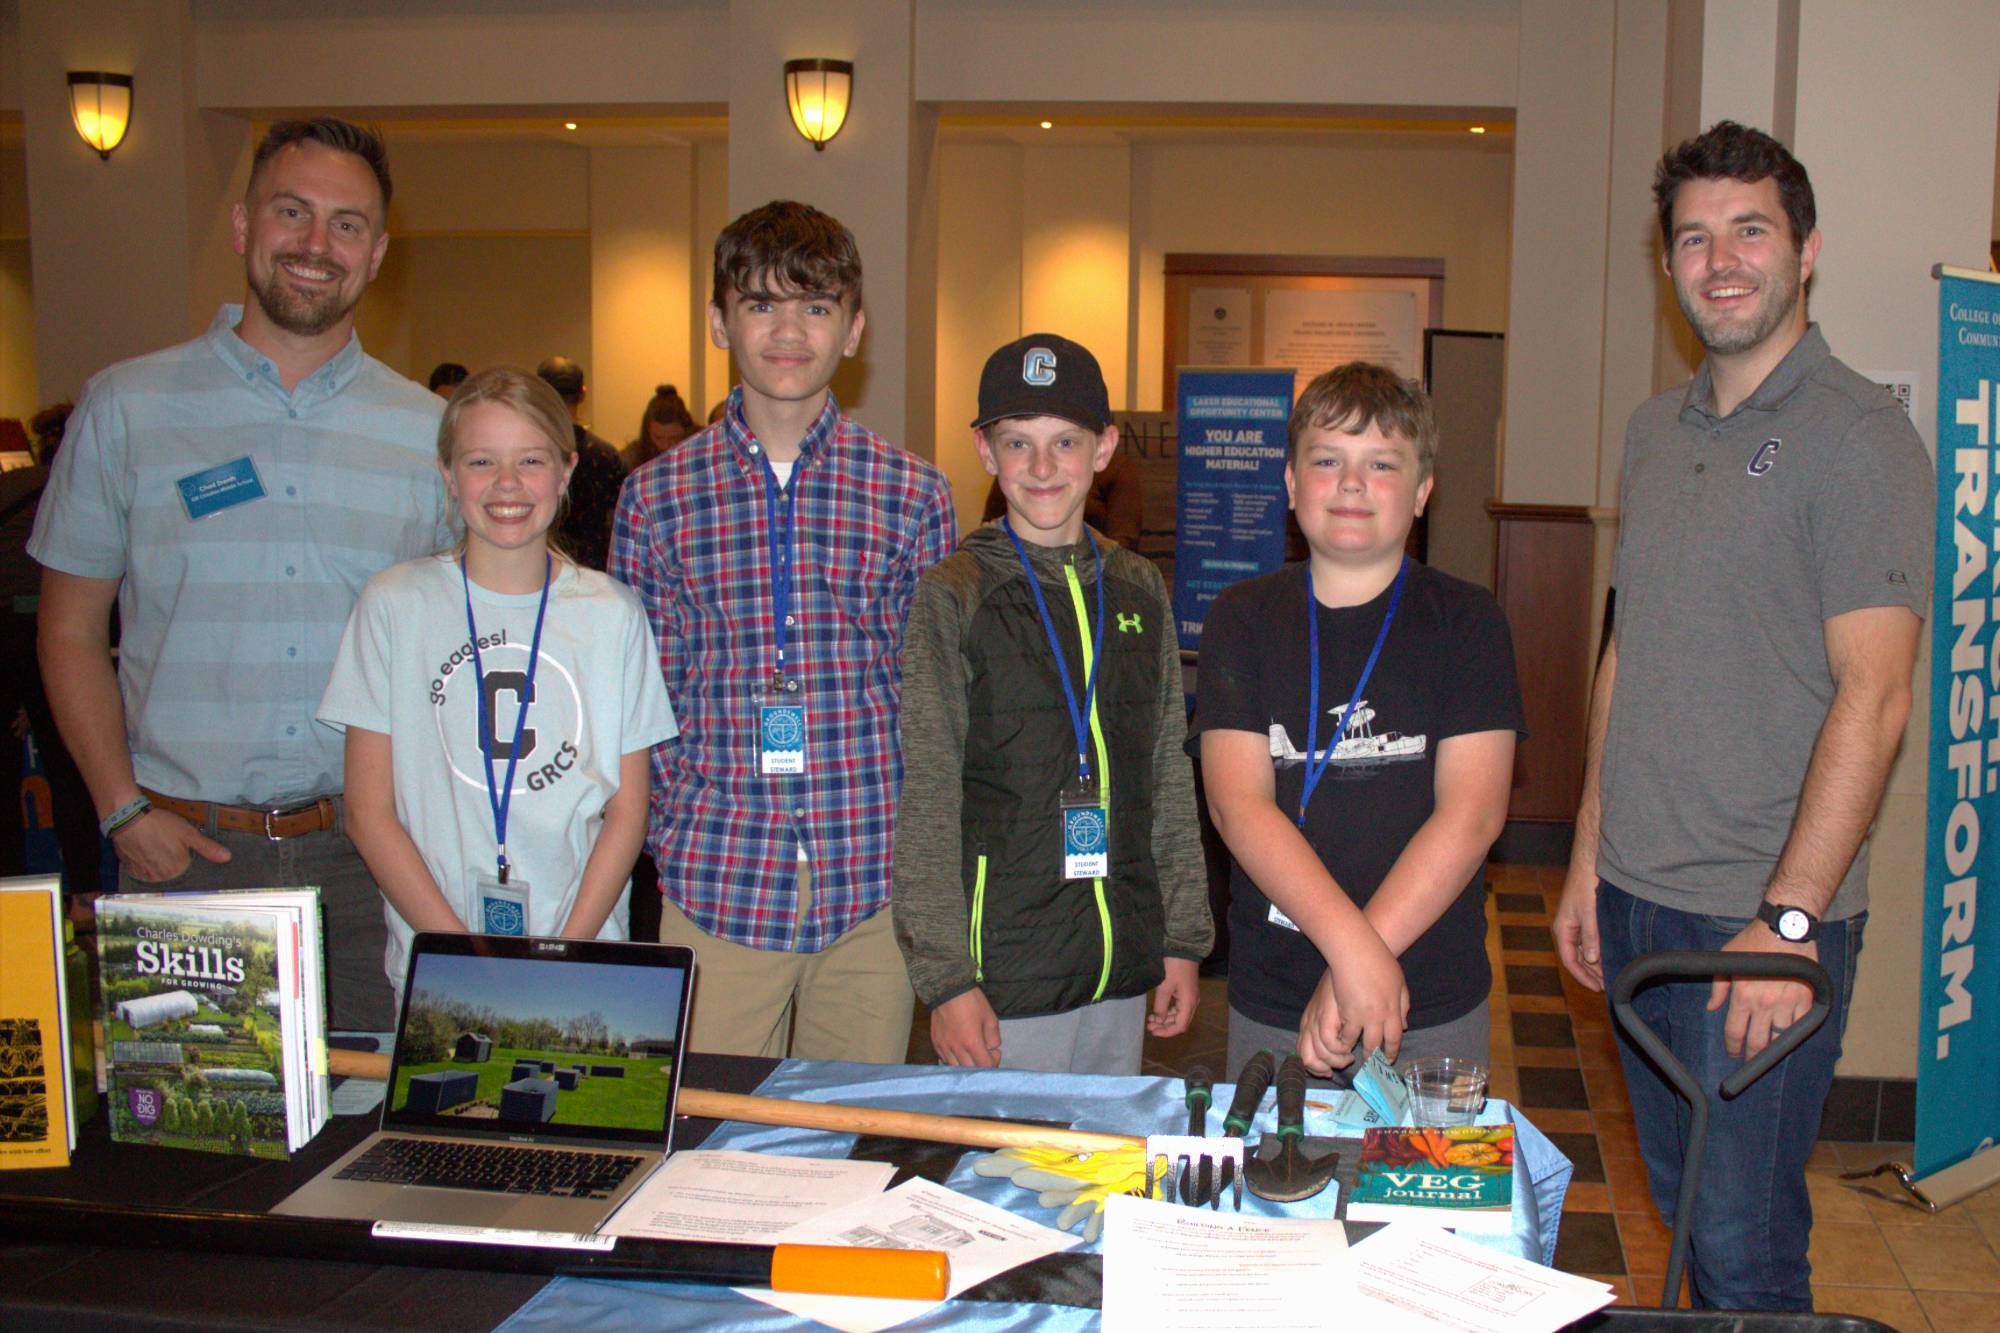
841,1270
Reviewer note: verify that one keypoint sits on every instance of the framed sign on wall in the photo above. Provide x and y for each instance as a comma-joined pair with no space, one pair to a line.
1308,312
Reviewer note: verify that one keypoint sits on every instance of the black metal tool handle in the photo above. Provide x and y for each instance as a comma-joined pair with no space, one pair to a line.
1251,1085
1292,1097
1684,963
1197,1177
1695,963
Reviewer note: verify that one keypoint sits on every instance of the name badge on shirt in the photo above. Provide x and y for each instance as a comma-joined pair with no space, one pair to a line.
781,739
1086,831
224,486
503,908
1277,918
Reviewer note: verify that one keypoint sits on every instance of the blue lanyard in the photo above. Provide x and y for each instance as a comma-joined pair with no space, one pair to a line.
1316,765
779,537
503,798
1076,718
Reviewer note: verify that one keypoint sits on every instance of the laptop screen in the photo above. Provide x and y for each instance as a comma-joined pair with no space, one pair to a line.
564,1039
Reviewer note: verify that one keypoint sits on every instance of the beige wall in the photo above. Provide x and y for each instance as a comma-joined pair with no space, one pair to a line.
1410,53
979,298
1074,238
456,185
20,395
1358,194
420,54
481,300
641,233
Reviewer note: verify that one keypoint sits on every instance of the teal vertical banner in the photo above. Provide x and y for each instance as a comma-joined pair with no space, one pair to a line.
1958,1030
1229,485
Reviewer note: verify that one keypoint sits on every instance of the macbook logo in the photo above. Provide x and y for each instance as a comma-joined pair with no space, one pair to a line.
551,946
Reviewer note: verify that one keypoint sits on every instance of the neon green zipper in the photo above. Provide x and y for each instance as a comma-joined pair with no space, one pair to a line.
1102,769
978,920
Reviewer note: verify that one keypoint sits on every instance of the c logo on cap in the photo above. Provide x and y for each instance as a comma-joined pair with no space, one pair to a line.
1039,366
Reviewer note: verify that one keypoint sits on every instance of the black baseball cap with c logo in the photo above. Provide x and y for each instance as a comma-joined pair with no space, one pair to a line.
1043,375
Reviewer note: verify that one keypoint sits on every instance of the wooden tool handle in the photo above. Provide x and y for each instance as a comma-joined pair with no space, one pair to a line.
834,1116
972,1132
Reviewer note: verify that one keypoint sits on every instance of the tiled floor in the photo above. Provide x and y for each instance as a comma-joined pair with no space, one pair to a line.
1553,1055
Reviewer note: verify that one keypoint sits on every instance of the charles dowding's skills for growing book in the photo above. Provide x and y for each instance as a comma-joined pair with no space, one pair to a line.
214,1019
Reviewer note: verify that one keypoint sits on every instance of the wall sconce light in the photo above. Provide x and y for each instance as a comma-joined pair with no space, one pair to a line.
101,106
817,92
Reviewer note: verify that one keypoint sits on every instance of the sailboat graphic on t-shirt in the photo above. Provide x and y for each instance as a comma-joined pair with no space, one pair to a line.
1360,747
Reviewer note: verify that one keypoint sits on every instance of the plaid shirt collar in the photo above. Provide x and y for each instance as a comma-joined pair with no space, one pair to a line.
751,455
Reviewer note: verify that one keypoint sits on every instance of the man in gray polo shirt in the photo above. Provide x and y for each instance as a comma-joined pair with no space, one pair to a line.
230,496
1773,567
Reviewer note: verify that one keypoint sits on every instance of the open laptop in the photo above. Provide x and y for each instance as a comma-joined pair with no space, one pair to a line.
532,1085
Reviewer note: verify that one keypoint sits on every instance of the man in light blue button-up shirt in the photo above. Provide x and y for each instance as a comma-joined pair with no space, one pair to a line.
231,495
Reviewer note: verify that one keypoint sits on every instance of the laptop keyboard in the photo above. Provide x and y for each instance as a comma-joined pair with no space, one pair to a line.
492,1168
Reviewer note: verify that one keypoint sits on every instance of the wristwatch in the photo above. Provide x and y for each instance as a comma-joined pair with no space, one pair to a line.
1794,925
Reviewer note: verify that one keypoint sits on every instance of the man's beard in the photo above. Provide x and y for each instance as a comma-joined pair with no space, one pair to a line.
302,315
1782,294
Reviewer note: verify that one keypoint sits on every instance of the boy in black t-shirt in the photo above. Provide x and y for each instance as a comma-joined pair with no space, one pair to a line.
1356,723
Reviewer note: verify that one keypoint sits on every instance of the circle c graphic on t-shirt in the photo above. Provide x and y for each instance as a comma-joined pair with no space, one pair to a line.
551,740
1087,830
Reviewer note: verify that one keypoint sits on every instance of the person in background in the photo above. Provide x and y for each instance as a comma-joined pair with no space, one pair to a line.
664,424
446,376
585,527
231,496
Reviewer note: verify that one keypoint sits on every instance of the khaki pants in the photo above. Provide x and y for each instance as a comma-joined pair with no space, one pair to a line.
851,1001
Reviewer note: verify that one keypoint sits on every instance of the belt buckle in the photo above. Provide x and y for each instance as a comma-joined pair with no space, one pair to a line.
272,835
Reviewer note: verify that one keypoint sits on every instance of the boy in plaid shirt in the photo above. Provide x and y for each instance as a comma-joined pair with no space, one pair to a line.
777,553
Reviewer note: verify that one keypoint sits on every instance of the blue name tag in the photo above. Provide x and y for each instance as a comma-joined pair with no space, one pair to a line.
218,488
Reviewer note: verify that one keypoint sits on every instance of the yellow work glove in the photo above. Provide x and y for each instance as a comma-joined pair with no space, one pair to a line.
1078,1185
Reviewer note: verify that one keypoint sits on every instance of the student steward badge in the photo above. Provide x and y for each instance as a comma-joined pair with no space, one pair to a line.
1086,842
503,908
781,739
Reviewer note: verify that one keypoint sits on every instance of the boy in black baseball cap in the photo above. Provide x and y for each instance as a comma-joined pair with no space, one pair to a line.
1048,870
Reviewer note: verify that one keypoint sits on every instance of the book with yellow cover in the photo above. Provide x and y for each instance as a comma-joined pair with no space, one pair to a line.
37,1119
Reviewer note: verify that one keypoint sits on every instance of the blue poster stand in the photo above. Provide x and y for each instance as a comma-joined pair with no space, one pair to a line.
1958,1035
1230,485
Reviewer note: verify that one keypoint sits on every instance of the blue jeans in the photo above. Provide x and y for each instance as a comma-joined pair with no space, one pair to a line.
1752,1217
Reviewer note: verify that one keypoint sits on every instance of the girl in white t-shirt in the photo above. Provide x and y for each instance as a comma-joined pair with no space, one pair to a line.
499,701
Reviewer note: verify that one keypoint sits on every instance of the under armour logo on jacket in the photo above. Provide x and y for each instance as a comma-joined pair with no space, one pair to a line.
1129,623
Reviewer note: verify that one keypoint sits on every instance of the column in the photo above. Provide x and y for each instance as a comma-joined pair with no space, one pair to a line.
641,231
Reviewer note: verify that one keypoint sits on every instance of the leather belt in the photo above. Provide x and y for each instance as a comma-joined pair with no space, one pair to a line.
292,821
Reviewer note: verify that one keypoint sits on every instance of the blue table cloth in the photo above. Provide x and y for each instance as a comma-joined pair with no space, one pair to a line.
1116,1105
